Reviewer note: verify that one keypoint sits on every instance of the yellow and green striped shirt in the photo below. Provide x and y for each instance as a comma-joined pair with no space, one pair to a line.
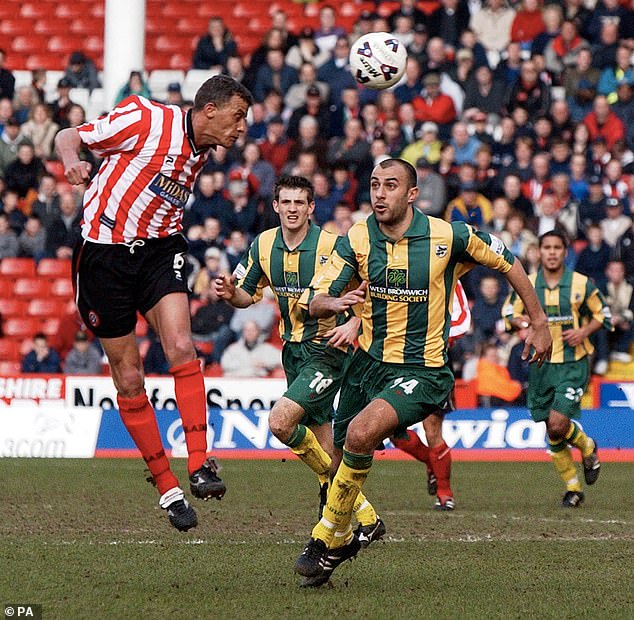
269,262
407,312
571,304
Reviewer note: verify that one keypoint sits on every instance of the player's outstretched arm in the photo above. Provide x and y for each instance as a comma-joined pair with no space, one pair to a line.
67,146
226,289
324,305
538,333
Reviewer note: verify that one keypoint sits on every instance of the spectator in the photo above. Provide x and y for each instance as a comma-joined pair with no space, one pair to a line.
604,54
620,299
215,47
135,85
276,146
341,221
501,212
61,106
209,235
24,173
8,239
516,237
174,94
253,166
344,183
306,51
64,230
393,136
46,207
432,105
32,240
483,94
562,126
582,72
546,212
470,207
297,95
351,149
602,122
315,107
336,72
593,259
274,74
613,75
615,223
10,209
210,200
552,16
328,33
465,146
604,11
519,368
40,130
83,358
215,264
10,139
309,140
562,51
6,111
244,210
449,21
325,199
527,24
431,189
624,108
624,251
274,39
492,25
494,385
42,358
237,244
7,80
210,323
529,92
81,72
249,357
579,184
411,85
512,189
24,101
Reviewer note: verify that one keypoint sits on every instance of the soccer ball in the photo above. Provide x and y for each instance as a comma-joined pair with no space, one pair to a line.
377,60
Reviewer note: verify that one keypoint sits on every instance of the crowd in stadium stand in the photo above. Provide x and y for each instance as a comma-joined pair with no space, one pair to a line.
519,119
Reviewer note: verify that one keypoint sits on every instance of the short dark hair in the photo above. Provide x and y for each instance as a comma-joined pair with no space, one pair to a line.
219,89
294,182
409,169
555,232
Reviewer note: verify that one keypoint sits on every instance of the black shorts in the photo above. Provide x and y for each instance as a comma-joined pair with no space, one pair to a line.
114,281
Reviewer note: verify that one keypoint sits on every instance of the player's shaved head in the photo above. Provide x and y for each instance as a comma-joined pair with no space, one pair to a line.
409,169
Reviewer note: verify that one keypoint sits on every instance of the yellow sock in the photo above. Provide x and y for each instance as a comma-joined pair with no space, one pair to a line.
565,466
304,443
576,437
363,510
342,537
342,495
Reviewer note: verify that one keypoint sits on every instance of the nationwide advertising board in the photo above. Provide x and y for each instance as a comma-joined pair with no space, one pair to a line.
75,417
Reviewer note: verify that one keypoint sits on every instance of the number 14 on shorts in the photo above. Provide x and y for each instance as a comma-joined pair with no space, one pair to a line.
407,386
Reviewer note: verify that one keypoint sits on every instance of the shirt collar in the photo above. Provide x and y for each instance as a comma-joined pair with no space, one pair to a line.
566,278
306,244
189,132
419,227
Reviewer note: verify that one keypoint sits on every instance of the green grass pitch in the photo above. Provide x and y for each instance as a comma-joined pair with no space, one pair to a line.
86,539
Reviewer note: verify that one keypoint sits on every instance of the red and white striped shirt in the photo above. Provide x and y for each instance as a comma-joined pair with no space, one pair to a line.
148,173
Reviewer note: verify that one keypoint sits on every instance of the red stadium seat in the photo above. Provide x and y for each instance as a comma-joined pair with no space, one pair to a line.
180,61
170,43
12,307
20,328
9,350
6,288
51,25
191,24
17,267
86,26
49,61
54,268
70,11
10,368
36,10
16,26
65,44
50,326
45,308
62,287
30,288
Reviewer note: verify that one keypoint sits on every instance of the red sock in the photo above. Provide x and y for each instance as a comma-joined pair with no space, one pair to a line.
414,446
139,418
441,465
189,386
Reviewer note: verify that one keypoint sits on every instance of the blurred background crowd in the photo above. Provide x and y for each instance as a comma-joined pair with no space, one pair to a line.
519,118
